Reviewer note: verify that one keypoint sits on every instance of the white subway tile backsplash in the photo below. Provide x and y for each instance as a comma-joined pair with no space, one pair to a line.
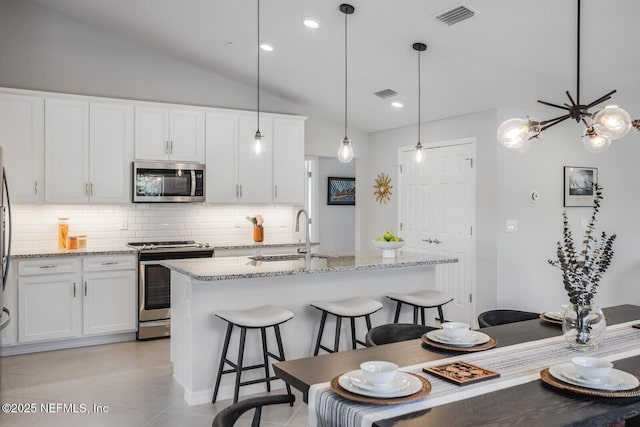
35,227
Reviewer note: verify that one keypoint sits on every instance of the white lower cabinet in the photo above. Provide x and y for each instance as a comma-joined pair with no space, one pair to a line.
58,298
109,302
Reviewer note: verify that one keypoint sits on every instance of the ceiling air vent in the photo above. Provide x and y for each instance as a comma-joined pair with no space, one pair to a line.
456,15
386,93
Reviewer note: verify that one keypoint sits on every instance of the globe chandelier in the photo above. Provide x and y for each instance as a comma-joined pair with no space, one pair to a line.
603,126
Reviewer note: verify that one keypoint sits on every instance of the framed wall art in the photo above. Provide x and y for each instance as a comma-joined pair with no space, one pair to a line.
579,185
341,191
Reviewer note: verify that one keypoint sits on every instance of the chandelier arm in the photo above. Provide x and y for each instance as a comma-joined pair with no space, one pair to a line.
562,107
636,124
601,99
552,122
571,99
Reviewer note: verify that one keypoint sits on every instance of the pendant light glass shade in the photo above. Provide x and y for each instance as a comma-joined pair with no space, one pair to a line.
595,143
345,152
612,122
418,156
258,146
515,133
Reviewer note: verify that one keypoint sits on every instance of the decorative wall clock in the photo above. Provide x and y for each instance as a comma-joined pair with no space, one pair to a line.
382,188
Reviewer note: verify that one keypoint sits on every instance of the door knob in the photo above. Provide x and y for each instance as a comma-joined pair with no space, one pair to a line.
436,241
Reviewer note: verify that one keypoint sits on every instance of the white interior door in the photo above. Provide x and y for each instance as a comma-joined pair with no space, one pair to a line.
436,215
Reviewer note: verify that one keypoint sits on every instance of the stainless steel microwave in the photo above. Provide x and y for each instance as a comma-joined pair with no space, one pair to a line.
166,182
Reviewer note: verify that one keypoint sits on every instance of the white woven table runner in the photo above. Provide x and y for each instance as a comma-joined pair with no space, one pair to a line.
517,364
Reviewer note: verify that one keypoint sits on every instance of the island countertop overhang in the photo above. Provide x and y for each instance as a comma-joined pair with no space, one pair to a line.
214,269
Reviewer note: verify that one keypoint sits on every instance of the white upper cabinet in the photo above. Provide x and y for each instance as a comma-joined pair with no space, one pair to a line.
235,175
222,158
169,134
89,149
22,139
111,152
67,151
255,173
288,161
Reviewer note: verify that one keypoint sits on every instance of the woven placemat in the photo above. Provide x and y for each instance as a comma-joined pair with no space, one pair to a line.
550,320
426,389
489,344
547,378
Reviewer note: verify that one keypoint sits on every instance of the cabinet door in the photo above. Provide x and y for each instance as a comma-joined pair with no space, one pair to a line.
288,161
49,307
222,158
186,143
152,133
67,151
109,303
22,139
255,175
111,152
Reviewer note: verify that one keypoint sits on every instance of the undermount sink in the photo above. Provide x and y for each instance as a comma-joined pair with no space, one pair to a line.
283,257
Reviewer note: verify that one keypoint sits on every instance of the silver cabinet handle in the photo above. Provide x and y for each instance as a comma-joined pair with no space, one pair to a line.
74,289
240,190
35,187
427,240
110,263
171,147
86,188
275,191
48,266
85,289
91,189
166,147
237,191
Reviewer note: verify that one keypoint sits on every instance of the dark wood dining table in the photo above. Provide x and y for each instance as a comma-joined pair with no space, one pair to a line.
530,404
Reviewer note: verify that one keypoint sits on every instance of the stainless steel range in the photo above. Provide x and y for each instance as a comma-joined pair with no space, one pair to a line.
154,282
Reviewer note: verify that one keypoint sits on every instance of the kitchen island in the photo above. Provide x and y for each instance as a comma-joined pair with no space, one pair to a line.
200,287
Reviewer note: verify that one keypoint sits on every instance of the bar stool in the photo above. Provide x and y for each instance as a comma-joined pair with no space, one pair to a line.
257,318
350,308
421,300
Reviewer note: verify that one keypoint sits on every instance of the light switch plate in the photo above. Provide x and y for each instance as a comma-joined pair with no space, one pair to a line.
511,226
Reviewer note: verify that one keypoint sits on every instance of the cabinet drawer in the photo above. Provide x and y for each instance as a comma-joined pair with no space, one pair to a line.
54,265
109,262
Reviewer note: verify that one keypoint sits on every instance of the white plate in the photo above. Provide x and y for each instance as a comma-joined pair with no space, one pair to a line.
471,339
414,386
553,315
617,380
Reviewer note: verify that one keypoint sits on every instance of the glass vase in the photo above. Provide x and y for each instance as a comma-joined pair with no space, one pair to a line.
584,326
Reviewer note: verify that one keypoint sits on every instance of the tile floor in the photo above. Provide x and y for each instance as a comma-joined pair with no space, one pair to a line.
132,379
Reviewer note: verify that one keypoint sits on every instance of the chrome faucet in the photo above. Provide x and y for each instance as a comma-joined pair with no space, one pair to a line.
307,255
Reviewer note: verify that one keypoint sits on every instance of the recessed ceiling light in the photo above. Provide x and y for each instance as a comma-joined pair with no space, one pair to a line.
266,47
397,104
311,23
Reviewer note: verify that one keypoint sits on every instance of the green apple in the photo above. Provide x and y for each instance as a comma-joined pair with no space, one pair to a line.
388,235
380,239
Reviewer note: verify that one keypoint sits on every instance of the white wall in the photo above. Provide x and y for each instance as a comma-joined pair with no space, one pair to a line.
336,224
382,157
525,280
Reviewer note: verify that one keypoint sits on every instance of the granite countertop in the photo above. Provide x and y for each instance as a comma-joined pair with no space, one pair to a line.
212,269
254,245
43,253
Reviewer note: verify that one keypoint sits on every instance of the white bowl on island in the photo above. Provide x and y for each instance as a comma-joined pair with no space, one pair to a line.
388,248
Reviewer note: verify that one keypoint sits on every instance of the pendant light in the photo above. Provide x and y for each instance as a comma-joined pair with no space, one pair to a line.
345,152
419,47
258,148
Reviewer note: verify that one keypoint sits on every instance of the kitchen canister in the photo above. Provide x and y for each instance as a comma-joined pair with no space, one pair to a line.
258,233
63,232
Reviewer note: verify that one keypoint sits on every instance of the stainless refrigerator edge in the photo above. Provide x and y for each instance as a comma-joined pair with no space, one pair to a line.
5,240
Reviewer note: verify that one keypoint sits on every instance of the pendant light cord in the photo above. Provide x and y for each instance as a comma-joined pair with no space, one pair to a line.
258,102
419,97
345,76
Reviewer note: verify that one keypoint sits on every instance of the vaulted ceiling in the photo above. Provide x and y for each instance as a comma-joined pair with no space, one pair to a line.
511,53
